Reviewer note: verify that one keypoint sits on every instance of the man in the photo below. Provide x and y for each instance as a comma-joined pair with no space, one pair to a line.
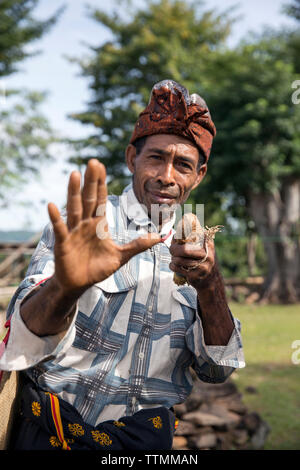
104,336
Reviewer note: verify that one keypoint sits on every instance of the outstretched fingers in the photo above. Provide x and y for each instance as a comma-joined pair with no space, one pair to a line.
59,227
94,192
74,202
101,190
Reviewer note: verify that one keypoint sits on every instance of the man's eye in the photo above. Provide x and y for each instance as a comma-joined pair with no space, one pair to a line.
185,165
156,157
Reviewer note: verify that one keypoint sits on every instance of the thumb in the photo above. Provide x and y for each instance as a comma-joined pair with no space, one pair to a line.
138,245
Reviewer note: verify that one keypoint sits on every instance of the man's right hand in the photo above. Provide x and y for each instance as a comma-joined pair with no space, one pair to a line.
84,253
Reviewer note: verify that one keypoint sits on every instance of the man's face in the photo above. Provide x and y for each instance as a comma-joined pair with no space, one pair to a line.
165,171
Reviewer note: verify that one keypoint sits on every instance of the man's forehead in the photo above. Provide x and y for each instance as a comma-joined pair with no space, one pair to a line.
167,143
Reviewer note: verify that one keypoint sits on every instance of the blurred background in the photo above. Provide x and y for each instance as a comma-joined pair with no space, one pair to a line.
74,75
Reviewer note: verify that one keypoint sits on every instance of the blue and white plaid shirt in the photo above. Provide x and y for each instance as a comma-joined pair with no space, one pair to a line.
134,336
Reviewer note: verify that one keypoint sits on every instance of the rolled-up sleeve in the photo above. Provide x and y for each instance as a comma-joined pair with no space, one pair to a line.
25,349
215,363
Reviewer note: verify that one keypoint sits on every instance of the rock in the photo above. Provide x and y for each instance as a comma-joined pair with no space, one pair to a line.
209,391
251,389
240,436
239,293
179,442
186,428
194,401
243,290
207,441
180,409
237,406
219,410
232,403
259,437
251,422
254,297
204,419
215,417
234,376
224,441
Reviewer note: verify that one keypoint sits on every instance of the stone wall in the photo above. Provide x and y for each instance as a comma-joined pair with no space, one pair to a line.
215,417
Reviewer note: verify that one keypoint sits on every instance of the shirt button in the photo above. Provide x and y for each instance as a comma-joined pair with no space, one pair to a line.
150,308
141,355
134,400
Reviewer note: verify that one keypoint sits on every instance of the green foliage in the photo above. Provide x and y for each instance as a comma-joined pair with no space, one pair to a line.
257,145
25,134
17,29
166,39
231,250
25,138
248,90
293,9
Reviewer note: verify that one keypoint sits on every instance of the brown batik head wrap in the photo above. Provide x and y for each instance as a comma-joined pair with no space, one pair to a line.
171,110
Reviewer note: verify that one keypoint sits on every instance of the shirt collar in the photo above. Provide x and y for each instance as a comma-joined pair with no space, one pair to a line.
137,213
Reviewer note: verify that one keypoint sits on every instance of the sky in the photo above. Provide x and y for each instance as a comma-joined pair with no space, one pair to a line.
68,92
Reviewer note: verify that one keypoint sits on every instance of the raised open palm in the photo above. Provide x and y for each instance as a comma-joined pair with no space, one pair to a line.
84,251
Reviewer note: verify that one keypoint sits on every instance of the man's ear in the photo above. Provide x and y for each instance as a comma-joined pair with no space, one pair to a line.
130,157
200,175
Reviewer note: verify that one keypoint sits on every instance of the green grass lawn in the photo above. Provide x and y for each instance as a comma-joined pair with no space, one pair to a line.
268,333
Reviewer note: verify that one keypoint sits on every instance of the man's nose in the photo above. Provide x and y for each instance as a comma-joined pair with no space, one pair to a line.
167,175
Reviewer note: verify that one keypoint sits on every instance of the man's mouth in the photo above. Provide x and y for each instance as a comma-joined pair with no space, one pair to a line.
162,197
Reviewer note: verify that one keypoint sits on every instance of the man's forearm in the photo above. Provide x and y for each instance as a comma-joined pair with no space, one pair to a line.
213,310
48,310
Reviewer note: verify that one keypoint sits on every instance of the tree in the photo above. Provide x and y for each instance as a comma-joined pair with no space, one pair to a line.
25,134
293,9
292,36
254,167
165,39
257,152
17,29
25,139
